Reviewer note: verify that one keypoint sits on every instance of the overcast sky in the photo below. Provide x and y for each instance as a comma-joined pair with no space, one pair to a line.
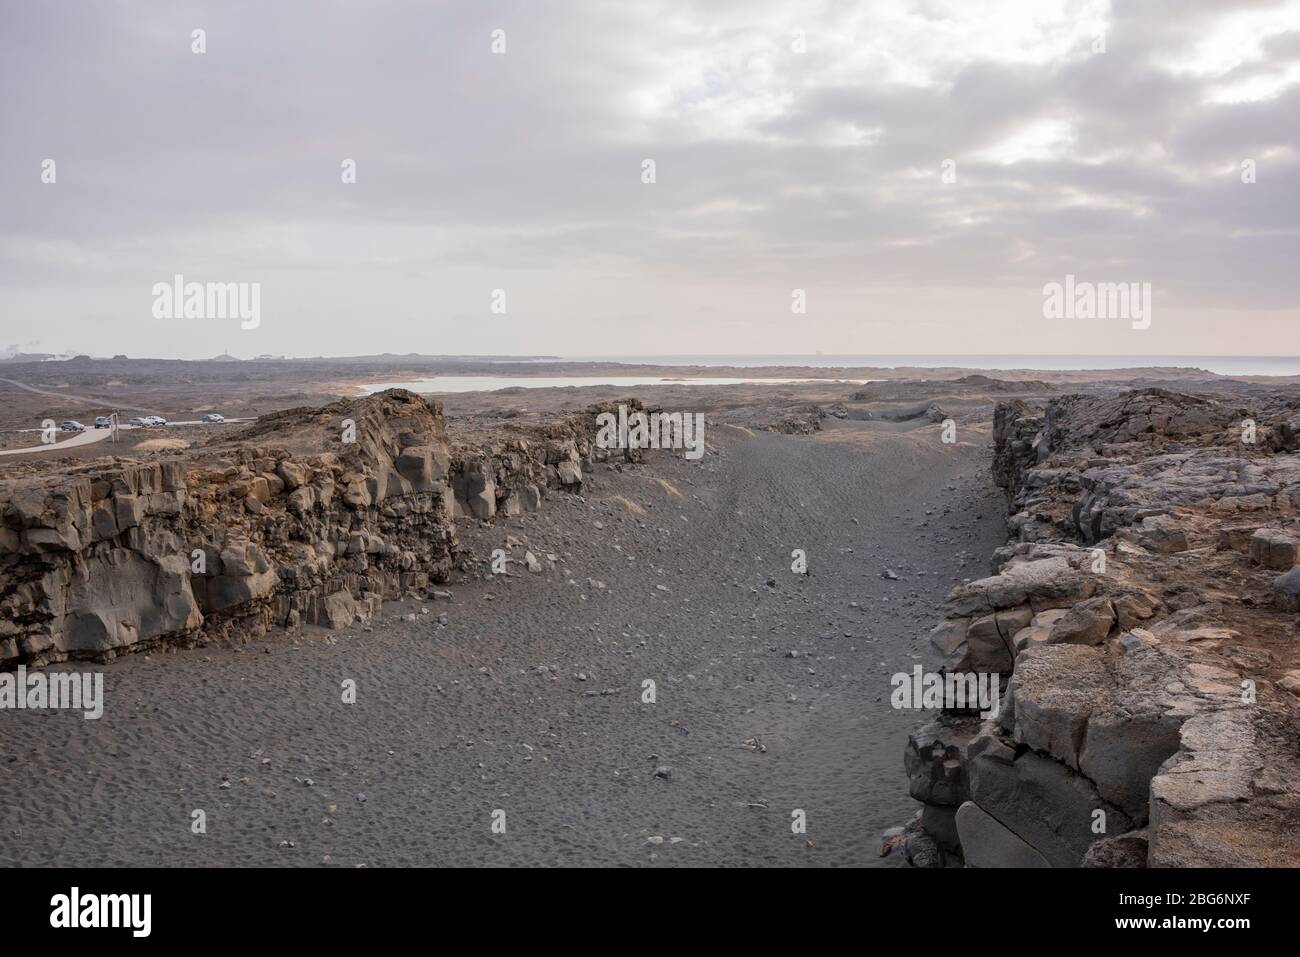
775,170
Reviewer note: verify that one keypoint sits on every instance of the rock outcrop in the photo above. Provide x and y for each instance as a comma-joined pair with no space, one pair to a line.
309,516
1144,618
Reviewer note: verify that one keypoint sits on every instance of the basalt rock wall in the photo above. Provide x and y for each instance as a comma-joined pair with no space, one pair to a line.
310,516
1145,619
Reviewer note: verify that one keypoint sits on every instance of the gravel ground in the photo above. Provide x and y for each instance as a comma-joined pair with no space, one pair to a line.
529,699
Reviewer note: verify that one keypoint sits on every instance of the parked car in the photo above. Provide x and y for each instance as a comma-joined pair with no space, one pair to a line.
72,425
103,422
139,422
214,417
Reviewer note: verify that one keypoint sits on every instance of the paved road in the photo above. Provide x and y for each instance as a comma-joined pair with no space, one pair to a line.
89,437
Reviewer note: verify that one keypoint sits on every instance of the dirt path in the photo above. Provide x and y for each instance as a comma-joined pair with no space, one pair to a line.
490,712
87,400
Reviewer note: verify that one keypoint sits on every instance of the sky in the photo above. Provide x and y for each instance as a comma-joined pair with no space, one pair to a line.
916,173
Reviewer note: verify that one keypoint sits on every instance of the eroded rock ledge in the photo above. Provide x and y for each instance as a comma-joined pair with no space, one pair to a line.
1145,620
282,524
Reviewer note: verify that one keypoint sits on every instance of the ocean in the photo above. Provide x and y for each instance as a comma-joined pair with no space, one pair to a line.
1221,365
485,383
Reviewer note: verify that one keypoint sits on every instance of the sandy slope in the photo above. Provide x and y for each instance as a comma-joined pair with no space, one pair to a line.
453,722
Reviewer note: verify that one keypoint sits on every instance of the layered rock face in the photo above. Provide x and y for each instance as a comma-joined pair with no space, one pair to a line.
1144,618
310,516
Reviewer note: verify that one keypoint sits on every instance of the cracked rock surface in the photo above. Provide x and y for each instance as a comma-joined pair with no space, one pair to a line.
1154,718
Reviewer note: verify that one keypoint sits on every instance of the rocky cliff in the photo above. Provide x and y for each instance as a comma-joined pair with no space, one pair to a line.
1145,619
309,516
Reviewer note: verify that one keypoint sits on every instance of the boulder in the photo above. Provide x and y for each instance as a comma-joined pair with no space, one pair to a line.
1087,623
1041,584
357,492
1124,850
1031,637
1134,607
1037,631
935,761
477,488
1012,620
940,822
483,504
1163,534
1273,548
1122,753
920,848
1051,715
338,610
423,466
1236,537
987,843
1201,811
302,500
119,597
531,497
948,642
987,651
1113,720
1043,802
1286,590
292,474
226,592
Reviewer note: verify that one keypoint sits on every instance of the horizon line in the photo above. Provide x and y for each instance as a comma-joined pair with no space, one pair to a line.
618,358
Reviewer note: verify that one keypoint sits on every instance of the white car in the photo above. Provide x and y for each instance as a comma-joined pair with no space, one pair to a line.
214,417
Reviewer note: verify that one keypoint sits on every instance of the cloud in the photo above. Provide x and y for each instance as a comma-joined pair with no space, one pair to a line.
795,145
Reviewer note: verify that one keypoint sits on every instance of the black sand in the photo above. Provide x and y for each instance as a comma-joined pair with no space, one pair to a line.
487,713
